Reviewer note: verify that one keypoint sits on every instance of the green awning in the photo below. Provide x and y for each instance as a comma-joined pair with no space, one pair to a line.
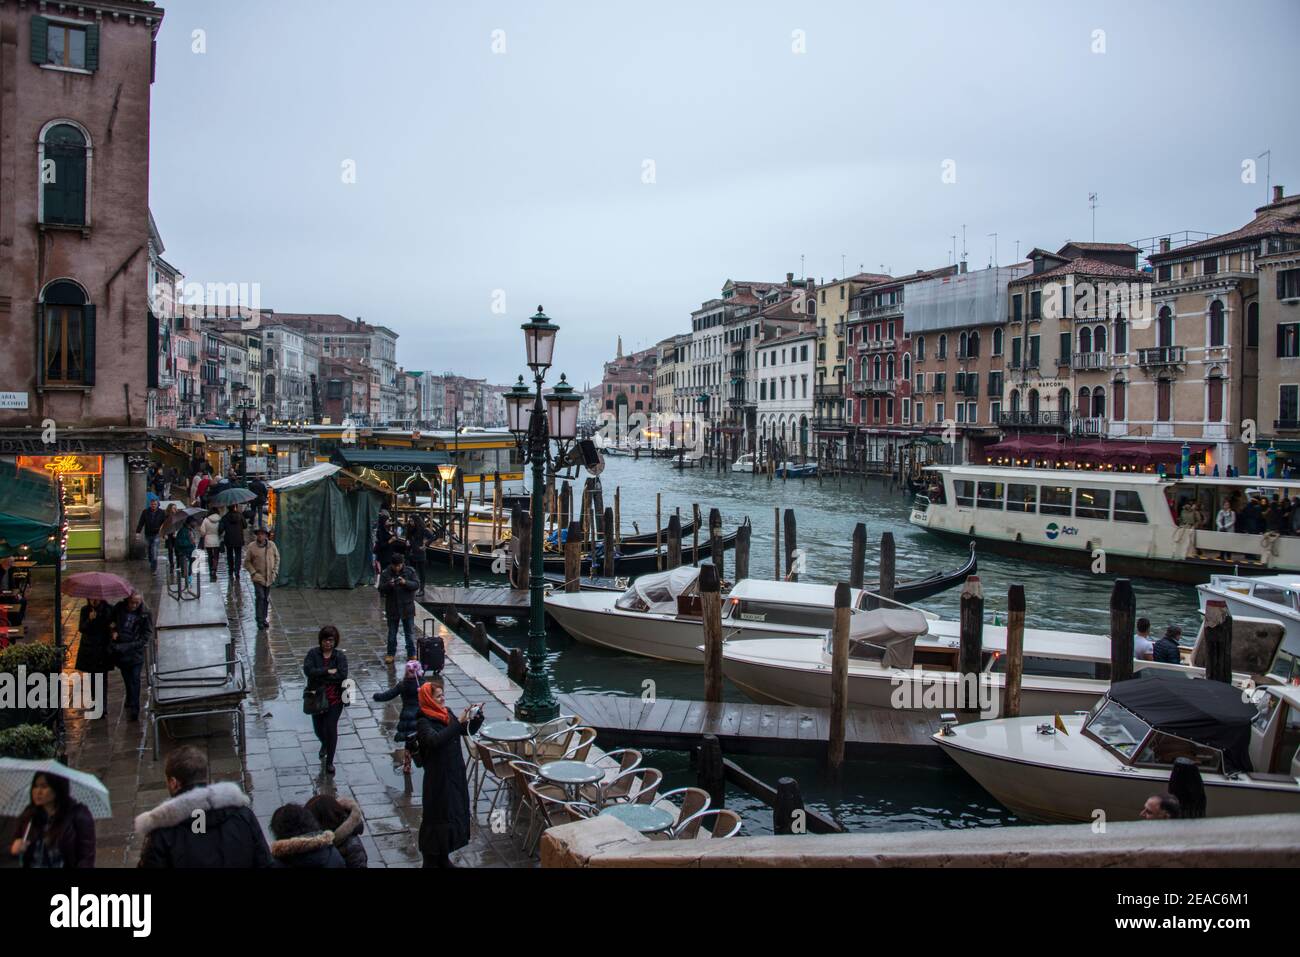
400,461
1279,445
29,513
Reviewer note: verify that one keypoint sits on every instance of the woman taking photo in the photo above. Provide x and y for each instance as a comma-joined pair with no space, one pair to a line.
326,668
55,830
445,824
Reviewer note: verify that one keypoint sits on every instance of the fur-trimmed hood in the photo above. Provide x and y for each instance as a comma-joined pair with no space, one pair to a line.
210,797
303,844
355,824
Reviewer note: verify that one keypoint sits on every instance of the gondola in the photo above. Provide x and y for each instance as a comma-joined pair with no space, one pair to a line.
910,592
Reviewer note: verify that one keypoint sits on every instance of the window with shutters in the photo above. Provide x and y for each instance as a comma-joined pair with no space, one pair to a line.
65,44
1035,305
66,336
1164,400
1216,323
997,342
64,157
1117,391
1214,399
1288,340
1017,308
1288,285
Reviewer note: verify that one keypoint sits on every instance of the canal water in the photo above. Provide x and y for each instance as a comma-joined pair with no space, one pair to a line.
871,795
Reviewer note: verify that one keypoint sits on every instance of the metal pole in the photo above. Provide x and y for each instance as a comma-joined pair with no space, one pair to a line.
538,704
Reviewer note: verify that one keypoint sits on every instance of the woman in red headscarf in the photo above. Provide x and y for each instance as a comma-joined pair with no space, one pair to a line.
445,824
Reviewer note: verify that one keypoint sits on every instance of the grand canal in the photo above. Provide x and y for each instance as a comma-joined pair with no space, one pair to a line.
872,795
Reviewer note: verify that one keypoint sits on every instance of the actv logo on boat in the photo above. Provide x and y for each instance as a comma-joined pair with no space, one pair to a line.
922,691
1053,530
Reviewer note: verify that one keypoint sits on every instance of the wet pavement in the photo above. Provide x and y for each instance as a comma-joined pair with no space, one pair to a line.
281,763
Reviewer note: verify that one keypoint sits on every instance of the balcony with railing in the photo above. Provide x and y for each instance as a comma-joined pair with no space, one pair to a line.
875,386
1084,361
1089,425
1034,420
878,312
829,390
877,345
1162,357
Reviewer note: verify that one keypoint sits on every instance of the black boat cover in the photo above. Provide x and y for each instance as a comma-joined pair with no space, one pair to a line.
1207,712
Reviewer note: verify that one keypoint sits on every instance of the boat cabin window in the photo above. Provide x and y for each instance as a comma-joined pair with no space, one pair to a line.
965,491
1275,595
1056,500
990,495
776,613
1161,750
1117,728
1128,507
631,600
1092,503
1022,498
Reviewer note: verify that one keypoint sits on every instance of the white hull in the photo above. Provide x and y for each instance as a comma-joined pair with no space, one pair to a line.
1244,606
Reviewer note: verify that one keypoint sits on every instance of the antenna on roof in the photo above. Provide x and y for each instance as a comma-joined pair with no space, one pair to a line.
802,274
993,263
965,253
1092,204
1268,174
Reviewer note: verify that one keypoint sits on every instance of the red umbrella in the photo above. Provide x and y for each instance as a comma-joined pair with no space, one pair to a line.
103,586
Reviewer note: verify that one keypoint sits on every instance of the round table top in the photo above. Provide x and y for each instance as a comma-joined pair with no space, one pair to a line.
572,772
646,818
507,731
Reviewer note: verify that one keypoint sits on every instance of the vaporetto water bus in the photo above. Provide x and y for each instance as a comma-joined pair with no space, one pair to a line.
1066,516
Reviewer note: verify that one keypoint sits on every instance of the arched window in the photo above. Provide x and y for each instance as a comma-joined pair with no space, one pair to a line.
889,367
268,388
907,366
1015,400
1085,401
1216,323
1085,339
943,347
1252,326
66,335
875,368
1117,403
1033,402
1099,403
1165,327
1099,339
961,346
65,174
920,348
973,345
997,342
1121,337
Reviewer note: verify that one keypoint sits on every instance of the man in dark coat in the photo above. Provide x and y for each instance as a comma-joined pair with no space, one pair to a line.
95,646
132,633
444,826
150,524
231,528
258,488
230,835
398,584
1165,648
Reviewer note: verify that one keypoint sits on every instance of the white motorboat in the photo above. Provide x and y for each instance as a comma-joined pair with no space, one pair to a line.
1276,597
1069,517
1122,752
914,669
659,616
746,463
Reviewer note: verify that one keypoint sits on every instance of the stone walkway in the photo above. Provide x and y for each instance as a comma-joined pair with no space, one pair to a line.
281,763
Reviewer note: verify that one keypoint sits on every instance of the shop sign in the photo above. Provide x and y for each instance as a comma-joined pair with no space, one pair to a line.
63,464
13,400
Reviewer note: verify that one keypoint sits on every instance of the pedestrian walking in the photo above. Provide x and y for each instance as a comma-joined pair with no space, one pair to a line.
444,826
409,690
418,537
54,830
398,584
326,668
132,633
149,525
230,835
201,488
210,530
342,816
232,536
258,488
187,539
170,539
262,562
95,644
300,841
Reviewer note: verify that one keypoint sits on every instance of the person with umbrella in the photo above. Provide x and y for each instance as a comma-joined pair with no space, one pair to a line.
232,535
94,650
132,632
211,532
54,830
169,534
186,542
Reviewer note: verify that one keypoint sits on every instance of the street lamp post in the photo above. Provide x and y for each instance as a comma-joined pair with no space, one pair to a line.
536,421
244,406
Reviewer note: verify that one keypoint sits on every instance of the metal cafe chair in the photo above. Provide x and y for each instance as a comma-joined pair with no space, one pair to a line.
627,787
693,801
556,811
494,765
725,823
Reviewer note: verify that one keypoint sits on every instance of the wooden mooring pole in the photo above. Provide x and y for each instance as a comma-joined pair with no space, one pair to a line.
715,541
888,577
791,546
839,682
970,652
1015,650
695,547
609,542
674,540
659,558
573,558
711,773
857,564
711,609
742,550
788,813
1123,607
776,547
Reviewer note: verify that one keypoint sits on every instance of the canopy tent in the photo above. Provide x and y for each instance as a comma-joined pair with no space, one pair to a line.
657,594
29,513
322,518
1207,712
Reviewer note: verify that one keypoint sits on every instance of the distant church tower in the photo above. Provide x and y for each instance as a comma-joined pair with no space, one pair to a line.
620,348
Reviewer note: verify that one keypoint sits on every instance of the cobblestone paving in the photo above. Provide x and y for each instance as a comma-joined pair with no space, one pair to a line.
281,764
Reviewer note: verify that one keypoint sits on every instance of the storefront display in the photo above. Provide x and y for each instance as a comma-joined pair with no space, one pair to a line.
83,485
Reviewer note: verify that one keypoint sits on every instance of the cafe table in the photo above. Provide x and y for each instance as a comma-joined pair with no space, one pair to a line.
571,775
646,818
512,734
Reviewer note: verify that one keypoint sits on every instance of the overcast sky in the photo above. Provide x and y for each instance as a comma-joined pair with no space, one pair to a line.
767,131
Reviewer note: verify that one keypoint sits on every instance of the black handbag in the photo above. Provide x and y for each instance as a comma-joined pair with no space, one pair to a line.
314,701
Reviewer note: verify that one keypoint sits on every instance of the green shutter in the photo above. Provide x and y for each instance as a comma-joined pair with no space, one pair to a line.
40,345
40,39
92,47
88,333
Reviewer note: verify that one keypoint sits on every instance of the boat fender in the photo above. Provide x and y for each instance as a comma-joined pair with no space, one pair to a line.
1019,537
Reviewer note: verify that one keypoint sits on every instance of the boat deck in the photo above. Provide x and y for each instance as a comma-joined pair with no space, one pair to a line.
748,728
476,602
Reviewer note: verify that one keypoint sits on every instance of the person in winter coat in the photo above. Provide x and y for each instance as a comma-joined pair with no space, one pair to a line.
230,836
262,562
210,530
343,817
258,488
383,540
132,631
326,666
201,489
54,830
300,841
409,689
418,537
150,523
444,827
233,524
95,647
1165,648
187,539
398,584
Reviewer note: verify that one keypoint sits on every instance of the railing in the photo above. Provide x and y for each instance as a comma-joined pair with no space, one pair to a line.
1286,424
878,386
1163,356
1091,360
1089,426
885,309
877,345
1025,364
834,390
1047,420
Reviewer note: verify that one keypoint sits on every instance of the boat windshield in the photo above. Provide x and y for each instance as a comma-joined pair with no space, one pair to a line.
1118,728
1161,750
657,594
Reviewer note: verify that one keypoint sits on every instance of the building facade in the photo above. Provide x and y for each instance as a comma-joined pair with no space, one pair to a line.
784,373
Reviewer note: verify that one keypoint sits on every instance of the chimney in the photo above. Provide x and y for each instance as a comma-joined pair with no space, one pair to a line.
1278,193
1164,244
961,267
789,279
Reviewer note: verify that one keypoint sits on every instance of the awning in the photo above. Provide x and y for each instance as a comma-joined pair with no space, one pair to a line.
1103,451
399,461
29,512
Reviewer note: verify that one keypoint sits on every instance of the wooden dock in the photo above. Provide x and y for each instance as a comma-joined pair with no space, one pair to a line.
748,728
480,602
